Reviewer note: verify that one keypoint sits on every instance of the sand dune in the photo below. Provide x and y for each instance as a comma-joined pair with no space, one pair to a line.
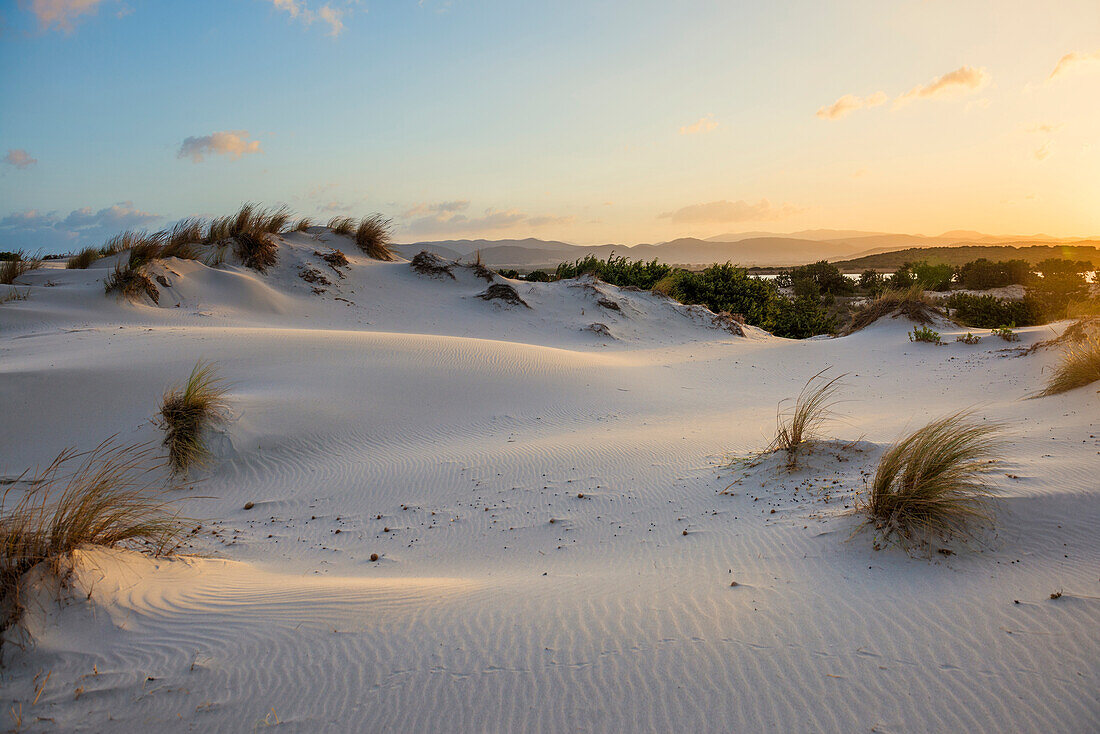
555,548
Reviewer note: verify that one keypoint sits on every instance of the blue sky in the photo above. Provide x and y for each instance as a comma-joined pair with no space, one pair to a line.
584,121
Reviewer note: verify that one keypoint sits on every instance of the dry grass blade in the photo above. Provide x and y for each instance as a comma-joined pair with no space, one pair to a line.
12,269
102,497
342,225
186,412
83,259
932,481
147,248
256,250
303,224
275,222
910,303
812,408
1080,366
372,236
131,282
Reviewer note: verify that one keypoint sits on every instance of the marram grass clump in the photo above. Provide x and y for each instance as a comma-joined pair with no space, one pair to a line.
910,303
104,497
372,236
187,411
935,480
799,425
1080,366
22,264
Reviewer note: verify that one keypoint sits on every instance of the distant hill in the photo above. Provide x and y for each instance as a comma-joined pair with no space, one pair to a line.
532,254
1081,250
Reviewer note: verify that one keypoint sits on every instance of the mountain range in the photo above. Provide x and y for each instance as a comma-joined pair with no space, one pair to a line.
763,249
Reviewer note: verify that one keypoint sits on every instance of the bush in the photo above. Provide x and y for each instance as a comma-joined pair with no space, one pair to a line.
932,480
1062,283
968,339
989,312
186,411
872,281
100,497
933,277
1006,333
616,271
924,334
983,274
825,277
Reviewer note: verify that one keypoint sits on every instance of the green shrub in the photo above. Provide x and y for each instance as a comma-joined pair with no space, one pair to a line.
989,312
1006,333
616,271
825,278
983,274
924,334
968,339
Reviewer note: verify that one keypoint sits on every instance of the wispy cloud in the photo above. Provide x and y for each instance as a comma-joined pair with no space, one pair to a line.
33,229
729,211
1071,60
233,143
19,158
327,14
447,218
62,15
704,124
848,104
963,80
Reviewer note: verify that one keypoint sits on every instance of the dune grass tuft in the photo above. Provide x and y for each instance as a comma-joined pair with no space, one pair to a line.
186,411
131,282
12,269
342,225
372,236
303,224
102,497
910,303
798,426
83,259
256,250
932,481
1080,366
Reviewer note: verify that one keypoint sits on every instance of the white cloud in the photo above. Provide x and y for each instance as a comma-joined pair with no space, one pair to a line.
233,143
1071,60
704,124
729,211
61,14
19,158
960,81
327,14
963,80
446,218
35,230
848,104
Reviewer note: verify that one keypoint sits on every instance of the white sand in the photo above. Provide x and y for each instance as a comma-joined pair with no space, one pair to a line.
502,601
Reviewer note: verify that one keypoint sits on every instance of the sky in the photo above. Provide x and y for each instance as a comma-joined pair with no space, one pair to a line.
595,121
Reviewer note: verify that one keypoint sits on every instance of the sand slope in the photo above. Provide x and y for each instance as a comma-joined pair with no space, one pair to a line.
503,600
